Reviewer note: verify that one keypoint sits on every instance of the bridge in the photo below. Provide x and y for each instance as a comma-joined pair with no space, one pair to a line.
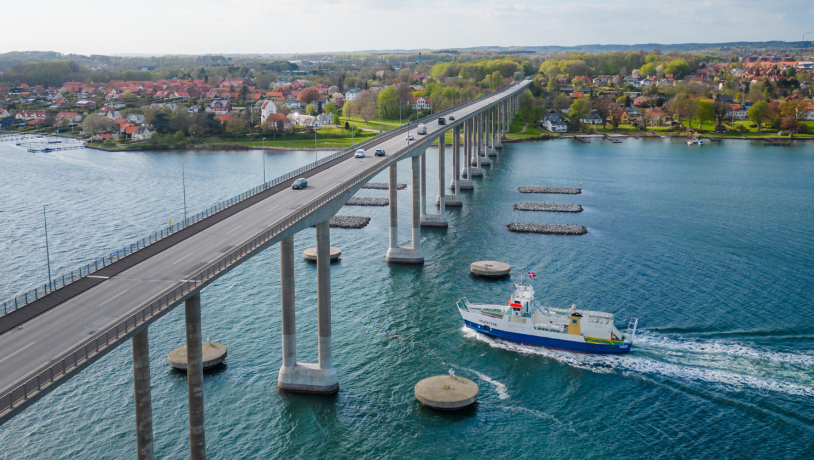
52,333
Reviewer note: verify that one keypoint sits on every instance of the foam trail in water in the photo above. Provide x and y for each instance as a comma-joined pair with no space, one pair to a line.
650,339
631,363
499,387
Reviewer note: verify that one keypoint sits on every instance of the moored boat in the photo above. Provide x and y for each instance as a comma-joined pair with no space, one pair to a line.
526,322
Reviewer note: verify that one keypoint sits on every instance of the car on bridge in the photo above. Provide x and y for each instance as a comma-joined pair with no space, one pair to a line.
300,183
410,137
422,129
442,121
379,153
451,118
359,153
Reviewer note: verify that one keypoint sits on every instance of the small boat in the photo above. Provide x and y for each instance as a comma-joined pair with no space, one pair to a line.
700,142
692,141
525,322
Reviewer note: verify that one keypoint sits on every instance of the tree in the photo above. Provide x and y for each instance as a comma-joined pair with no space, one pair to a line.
309,95
331,108
561,102
793,108
706,112
552,84
721,108
244,91
95,123
602,108
759,113
310,110
579,109
234,126
389,102
368,105
336,120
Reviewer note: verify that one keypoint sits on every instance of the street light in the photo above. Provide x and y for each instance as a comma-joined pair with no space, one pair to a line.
47,251
184,185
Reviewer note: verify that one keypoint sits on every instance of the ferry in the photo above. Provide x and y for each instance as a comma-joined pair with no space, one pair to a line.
526,322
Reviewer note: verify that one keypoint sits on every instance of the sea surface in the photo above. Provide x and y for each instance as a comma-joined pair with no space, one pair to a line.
709,247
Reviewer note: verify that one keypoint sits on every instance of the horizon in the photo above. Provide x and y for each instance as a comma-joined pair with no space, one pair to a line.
305,28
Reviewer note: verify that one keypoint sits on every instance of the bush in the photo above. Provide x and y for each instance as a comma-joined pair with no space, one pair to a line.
801,128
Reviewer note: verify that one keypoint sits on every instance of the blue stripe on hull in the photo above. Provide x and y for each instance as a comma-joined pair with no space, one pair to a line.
545,342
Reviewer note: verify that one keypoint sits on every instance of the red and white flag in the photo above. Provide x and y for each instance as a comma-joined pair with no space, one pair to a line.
532,274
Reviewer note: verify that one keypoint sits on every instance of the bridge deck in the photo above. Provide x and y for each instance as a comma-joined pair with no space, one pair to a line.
26,350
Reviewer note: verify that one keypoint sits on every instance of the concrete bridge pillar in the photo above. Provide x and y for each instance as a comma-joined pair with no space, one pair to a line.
477,171
394,215
197,439
423,209
320,377
400,254
143,398
484,143
466,176
436,220
492,128
455,185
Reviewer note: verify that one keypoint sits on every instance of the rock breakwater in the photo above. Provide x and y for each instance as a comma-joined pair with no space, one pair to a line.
548,229
349,221
555,190
366,201
548,207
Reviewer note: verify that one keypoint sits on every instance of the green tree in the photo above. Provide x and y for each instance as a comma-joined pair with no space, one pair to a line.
705,112
579,109
244,91
331,108
648,69
310,110
389,102
336,120
552,84
759,113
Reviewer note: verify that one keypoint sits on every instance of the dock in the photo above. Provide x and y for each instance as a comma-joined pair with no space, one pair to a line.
584,141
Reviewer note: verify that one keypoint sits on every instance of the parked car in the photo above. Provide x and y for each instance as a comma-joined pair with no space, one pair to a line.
720,129
300,183
422,129
359,153
379,153
410,137
451,118
442,121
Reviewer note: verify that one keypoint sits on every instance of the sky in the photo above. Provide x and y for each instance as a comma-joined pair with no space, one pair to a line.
270,26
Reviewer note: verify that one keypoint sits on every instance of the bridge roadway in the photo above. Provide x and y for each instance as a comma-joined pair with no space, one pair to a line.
37,343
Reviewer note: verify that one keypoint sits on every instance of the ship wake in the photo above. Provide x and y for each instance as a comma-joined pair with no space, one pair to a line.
733,366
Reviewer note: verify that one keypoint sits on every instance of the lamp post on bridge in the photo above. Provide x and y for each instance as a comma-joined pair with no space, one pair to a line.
47,251
184,185
264,160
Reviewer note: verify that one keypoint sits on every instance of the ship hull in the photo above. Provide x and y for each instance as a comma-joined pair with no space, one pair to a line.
549,342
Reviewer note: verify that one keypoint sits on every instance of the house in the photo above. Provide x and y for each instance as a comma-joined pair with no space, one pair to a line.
27,115
219,107
619,116
279,121
294,104
84,104
72,117
135,118
4,113
267,109
143,133
323,119
114,115
225,117
655,117
584,80
737,111
420,103
59,102
577,95
592,118
351,94
808,111
639,101
553,122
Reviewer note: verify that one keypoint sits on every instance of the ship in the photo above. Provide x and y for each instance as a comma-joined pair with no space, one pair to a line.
526,322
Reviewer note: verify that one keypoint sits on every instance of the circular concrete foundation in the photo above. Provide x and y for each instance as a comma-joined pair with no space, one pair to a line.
446,392
310,254
490,268
213,354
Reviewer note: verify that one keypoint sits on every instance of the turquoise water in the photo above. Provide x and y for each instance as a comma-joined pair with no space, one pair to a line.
710,247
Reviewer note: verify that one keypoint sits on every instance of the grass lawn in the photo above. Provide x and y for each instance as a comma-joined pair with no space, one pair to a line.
373,124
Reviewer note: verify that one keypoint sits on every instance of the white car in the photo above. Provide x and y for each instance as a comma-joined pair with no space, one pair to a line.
410,137
359,153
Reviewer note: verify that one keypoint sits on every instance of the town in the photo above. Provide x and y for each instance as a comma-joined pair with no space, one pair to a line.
634,93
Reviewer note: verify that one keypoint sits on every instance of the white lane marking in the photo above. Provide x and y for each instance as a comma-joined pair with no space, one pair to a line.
100,277
21,349
182,258
230,231
108,300
272,208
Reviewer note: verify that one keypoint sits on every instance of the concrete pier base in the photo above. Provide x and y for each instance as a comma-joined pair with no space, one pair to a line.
498,144
404,255
450,200
434,220
446,392
476,172
308,378
484,161
466,184
310,254
492,152
212,354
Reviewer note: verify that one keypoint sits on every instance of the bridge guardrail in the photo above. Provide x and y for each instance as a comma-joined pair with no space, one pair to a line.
58,282
109,338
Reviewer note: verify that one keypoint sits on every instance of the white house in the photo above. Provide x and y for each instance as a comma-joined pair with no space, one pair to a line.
294,104
4,113
135,118
323,119
554,123
737,111
267,109
143,133
351,94
420,103
592,118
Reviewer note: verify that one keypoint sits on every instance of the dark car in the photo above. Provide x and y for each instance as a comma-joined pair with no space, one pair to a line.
379,153
300,183
451,118
720,129
442,121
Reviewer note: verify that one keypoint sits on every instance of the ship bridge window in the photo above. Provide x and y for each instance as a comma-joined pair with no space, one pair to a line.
573,321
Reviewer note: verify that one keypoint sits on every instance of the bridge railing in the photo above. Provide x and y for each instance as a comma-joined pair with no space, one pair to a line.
103,342
89,268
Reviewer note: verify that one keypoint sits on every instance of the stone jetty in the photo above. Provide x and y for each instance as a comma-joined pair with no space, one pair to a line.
366,201
383,186
548,229
549,207
557,190
349,221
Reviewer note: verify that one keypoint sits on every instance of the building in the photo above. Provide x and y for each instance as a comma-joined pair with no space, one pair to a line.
323,119
72,117
268,108
553,122
592,119
351,94
655,117
279,121
420,103
143,133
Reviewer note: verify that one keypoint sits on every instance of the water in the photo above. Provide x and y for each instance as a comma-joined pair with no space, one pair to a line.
710,247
